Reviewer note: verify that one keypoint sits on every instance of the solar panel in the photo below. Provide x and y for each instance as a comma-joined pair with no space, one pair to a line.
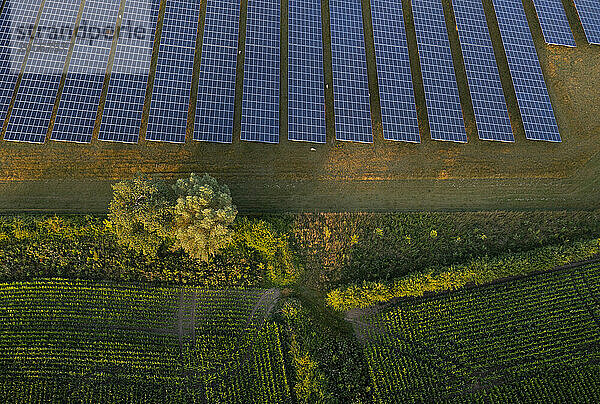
489,105
398,109
78,105
441,91
174,68
350,81
32,110
554,23
122,112
530,88
260,101
306,95
16,13
216,81
589,14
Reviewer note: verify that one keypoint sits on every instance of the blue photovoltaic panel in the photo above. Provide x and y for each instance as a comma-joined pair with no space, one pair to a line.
350,81
31,113
441,91
173,79
489,105
16,13
589,14
530,88
79,100
398,109
554,23
260,101
122,113
216,81
306,94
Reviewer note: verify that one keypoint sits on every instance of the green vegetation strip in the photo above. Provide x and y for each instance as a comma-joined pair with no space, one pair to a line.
534,339
316,251
477,272
328,363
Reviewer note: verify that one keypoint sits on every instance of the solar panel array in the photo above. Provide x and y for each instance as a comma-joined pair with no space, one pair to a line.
589,14
32,110
80,97
437,69
489,105
174,68
306,94
260,101
12,53
122,113
350,81
398,108
532,96
554,23
216,80
36,96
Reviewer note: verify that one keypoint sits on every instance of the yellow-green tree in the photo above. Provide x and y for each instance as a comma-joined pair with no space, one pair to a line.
202,216
140,213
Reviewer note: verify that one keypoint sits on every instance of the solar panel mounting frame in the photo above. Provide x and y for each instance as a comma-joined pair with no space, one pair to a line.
442,97
483,78
394,76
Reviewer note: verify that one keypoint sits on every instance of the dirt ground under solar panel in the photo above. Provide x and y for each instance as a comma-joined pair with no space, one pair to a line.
385,175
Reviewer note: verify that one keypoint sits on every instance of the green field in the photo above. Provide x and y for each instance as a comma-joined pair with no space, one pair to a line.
73,341
536,339
340,176
533,339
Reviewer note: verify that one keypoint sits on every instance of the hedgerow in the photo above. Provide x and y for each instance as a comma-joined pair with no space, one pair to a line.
320,251
477,272
329,365
343,248
86,247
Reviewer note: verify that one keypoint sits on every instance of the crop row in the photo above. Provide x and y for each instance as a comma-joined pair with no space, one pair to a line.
248,369
83,304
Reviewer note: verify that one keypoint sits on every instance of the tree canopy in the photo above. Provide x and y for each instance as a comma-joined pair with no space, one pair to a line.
202,216
141,213
194,214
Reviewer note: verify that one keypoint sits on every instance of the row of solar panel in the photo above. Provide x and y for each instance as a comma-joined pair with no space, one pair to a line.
29,119
555,26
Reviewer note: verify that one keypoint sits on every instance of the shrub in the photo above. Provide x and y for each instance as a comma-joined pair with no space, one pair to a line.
329,364
310,384
86,248
273,248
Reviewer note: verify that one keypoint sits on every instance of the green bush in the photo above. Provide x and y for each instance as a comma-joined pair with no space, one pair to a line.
310,387
79,247
273,248
85,247
329,365
478,271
